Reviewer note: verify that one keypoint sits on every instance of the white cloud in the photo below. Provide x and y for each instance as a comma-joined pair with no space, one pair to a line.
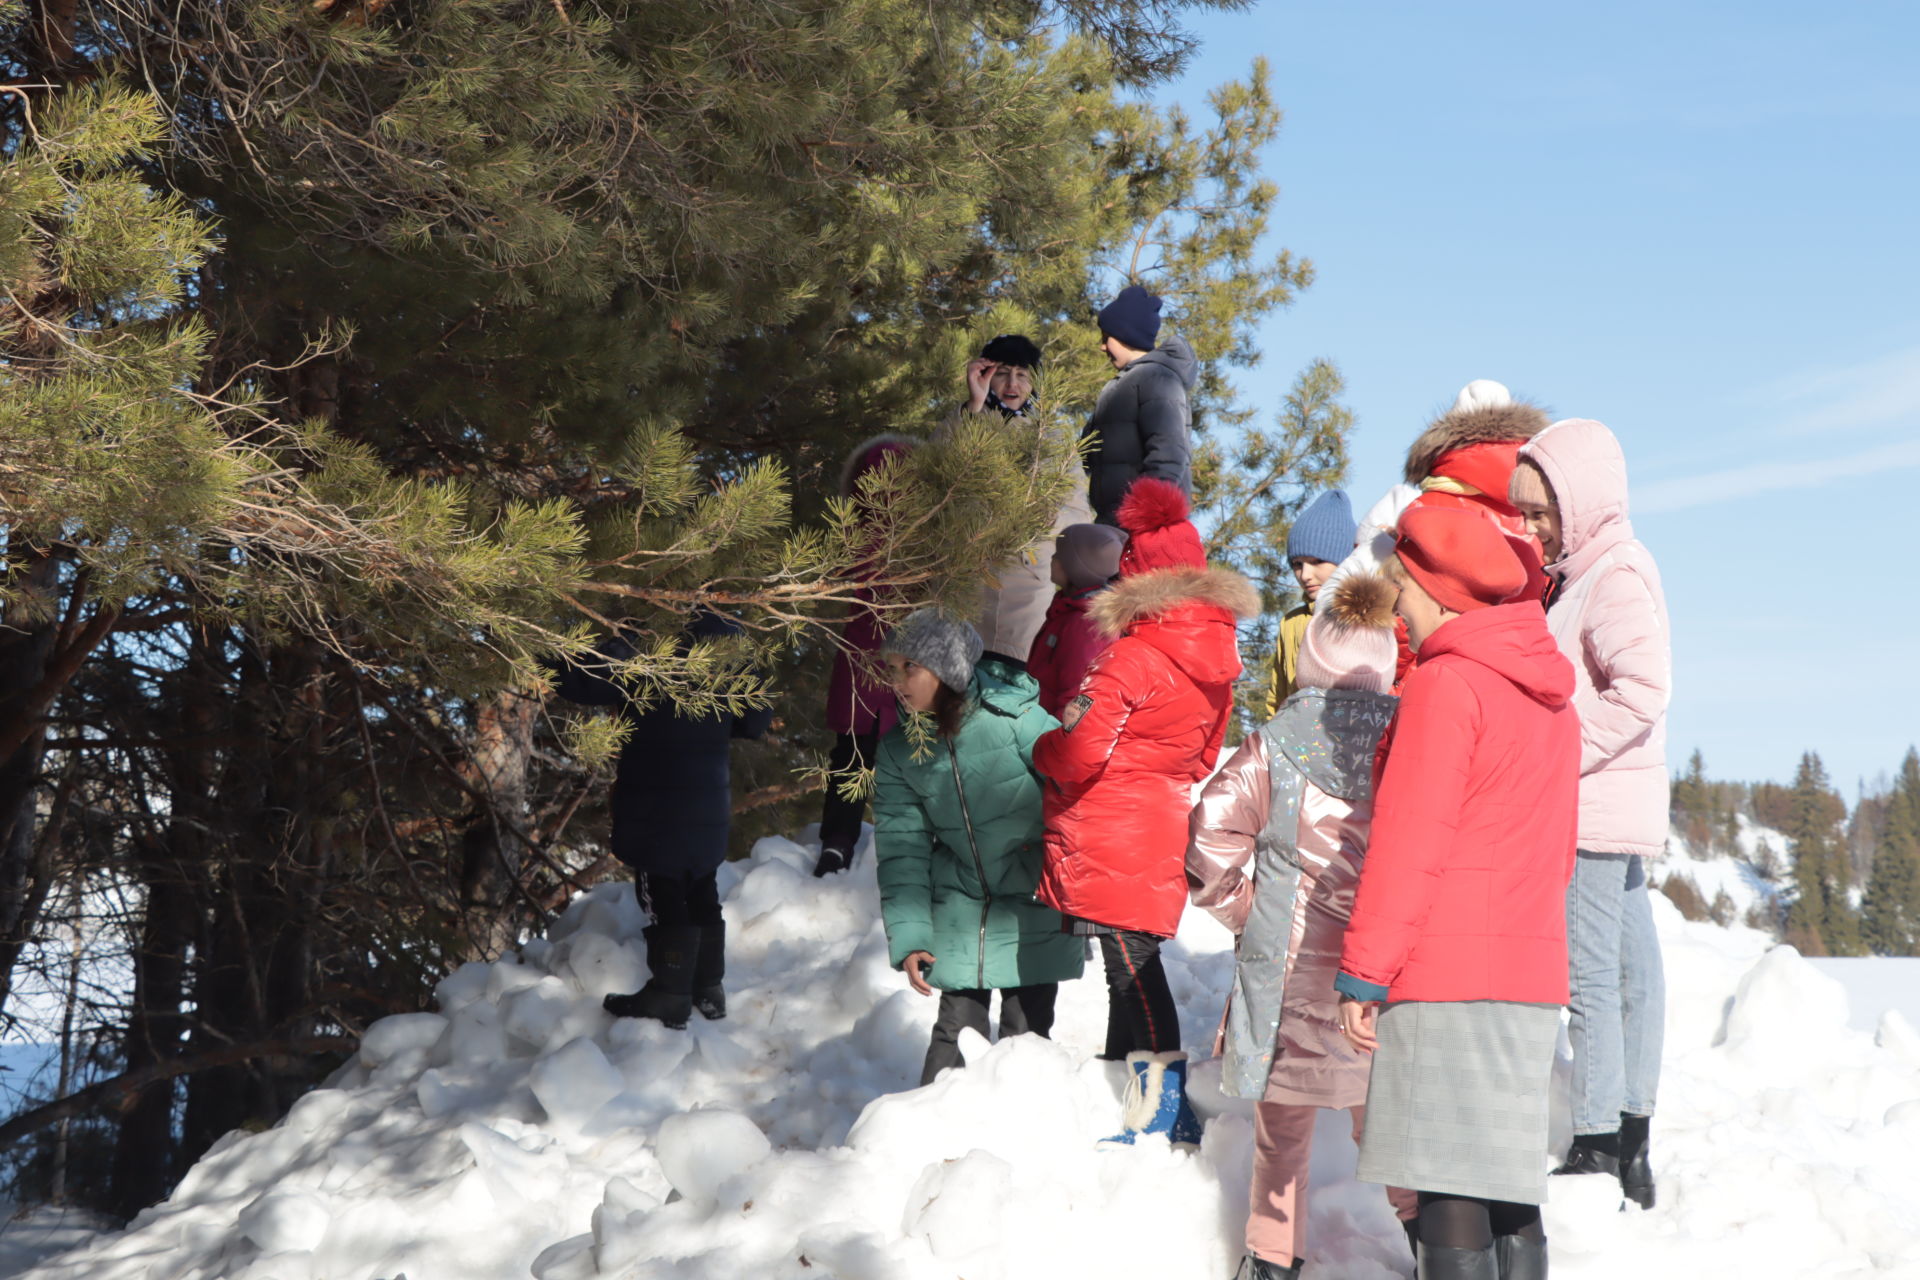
1877,393
1736,483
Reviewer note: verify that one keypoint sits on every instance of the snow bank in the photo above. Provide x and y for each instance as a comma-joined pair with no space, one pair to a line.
520,1132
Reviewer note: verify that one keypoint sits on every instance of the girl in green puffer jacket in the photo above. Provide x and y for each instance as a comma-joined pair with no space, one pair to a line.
956,815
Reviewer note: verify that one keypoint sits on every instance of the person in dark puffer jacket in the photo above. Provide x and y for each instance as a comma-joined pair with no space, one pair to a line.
1141,424
672,807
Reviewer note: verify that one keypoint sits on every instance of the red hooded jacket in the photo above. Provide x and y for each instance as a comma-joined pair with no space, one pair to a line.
1464,892
1146,725
1066,646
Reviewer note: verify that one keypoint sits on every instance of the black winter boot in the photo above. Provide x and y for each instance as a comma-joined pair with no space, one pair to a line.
1253,1268
1636,1171
1593,1153
709,966
832,859
1520,1258
1444,1262
668,995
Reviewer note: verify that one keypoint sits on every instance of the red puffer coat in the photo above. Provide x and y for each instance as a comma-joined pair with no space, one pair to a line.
1464,892
1146,726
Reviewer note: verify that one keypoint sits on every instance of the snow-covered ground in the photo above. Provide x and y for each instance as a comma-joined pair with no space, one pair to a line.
521,1132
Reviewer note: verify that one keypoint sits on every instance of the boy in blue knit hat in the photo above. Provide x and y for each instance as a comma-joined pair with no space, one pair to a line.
1321,537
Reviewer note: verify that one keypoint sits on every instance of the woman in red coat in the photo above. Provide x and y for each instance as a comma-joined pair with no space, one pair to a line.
1459,924
1145,727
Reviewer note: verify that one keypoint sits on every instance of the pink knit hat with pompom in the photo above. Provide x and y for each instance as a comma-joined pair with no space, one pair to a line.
1349,642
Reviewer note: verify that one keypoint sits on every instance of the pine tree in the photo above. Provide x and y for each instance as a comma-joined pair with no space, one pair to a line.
1822,920
1891,910
458,332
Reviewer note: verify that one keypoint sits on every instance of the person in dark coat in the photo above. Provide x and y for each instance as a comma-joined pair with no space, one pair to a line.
672,807
1141,423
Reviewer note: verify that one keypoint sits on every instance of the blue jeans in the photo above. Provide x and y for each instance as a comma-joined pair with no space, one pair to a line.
1618,991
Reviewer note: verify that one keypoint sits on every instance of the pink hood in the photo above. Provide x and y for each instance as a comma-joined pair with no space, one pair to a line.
1583,463
1608,614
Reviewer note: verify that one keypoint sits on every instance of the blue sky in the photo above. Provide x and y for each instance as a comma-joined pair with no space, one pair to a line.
1696,223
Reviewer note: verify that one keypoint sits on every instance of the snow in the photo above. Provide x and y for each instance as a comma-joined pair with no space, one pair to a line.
1875,986
1737,875
520,1132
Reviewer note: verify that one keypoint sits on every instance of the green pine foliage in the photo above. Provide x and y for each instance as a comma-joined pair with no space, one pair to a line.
1252,488
1821,920
1891,909
359,356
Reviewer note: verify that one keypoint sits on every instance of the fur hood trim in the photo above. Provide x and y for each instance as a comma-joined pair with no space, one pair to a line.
1491,424
1362,600
856,463
1148,595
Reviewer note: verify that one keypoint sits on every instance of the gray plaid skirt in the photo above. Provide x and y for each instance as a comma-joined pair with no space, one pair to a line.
1457,1102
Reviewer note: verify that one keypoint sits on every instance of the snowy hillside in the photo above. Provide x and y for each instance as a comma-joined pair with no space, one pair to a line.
521,1132
1743,876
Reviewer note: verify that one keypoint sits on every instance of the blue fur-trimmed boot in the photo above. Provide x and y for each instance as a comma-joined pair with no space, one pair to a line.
1156,1101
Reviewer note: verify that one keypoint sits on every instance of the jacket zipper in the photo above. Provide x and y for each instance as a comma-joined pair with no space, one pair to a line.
979,867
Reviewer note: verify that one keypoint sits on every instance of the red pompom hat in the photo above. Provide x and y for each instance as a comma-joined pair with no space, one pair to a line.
1160,536
1460,557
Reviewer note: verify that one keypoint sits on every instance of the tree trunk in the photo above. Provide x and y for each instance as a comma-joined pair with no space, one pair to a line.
492,845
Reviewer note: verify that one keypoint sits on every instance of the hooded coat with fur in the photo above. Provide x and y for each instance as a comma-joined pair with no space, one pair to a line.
1146,725
1609,617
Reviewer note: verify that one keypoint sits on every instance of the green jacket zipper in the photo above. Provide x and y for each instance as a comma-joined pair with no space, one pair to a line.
979,867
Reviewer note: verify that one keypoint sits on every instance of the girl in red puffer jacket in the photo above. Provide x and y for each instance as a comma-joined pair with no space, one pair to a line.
1144,728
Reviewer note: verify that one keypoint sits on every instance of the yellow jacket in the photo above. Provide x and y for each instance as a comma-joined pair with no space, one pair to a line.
1286,657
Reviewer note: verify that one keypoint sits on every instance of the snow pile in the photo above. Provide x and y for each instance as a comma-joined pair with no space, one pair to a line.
519,1131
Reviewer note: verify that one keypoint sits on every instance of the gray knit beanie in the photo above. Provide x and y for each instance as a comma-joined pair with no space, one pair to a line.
1090,553
945,646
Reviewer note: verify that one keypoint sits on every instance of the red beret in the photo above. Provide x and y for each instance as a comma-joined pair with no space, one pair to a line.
1460,557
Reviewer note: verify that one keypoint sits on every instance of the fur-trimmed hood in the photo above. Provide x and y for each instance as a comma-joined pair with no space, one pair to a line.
1511,423
870,453
1188,614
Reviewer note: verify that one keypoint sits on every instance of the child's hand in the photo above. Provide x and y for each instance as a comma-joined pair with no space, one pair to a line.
1356,1022
912,965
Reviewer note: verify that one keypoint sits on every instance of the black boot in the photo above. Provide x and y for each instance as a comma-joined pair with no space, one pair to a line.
832,859
1593,1153
1636,1171
709,966
668,995
1444,1262
1252,1268
1520,1258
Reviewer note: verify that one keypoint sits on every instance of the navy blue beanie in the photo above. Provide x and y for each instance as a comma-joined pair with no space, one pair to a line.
1133,317
1325,530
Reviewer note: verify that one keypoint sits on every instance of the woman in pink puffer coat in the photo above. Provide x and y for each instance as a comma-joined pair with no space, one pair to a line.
1609,617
